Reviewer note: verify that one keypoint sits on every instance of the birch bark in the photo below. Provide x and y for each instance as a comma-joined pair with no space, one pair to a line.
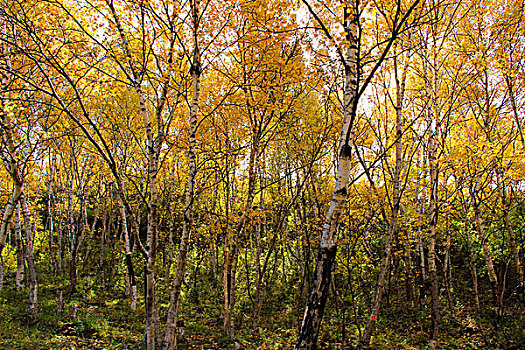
9,158
170,339
20,265
129,256
311,323
30,259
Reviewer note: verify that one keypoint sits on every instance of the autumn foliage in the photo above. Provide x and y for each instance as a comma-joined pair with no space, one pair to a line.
262,174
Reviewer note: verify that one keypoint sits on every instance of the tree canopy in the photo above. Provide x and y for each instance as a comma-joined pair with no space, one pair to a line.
262,174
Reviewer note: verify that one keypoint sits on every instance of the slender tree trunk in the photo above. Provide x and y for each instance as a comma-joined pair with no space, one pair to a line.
171,253
9,155
510,230
170,339
473,269
71,226
129,257
60,252
20,265
258,273
92,232
422,276
50,216
232,296
365,341
2,271
226,243
101,265
31,267
231,260
432,268
311,324
487,253
82,224
8,213
78,230
512,97
149,286
90,240
447,272
154,145
409,285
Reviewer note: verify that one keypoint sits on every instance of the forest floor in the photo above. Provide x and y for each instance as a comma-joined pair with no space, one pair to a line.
101,322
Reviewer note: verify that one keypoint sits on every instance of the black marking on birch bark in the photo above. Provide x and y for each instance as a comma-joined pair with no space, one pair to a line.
346,151
346,17
195,69
342,191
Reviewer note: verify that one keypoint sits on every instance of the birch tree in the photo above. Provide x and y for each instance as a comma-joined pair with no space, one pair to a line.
349,54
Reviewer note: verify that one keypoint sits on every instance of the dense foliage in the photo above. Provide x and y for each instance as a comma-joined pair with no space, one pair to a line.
191,174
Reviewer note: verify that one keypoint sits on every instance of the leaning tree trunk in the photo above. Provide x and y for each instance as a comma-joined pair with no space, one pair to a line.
9,158
310,326
510,89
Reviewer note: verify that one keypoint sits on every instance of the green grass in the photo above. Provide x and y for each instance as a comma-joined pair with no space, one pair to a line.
104,321
100,323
